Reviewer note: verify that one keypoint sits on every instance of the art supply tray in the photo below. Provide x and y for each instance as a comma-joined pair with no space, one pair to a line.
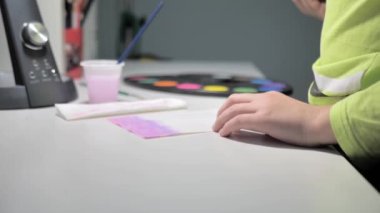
207,84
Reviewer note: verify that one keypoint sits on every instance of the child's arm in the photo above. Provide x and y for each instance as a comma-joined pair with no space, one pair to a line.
350,46
277,115
356,124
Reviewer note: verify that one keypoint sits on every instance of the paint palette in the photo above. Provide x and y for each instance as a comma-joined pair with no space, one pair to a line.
207,84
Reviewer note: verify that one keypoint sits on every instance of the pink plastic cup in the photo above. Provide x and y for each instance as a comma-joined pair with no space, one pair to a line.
102,79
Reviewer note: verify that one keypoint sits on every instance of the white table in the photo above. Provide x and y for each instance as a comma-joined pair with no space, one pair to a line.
50,165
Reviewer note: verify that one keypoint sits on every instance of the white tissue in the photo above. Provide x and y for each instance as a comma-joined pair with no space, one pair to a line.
82,111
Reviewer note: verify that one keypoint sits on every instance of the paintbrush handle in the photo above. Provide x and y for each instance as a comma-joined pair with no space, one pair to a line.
139,34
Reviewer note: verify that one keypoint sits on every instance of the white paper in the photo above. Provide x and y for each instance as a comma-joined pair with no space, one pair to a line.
185,121
81,111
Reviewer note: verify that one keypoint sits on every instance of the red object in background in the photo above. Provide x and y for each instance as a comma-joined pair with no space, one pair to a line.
76,12
73,51
74,36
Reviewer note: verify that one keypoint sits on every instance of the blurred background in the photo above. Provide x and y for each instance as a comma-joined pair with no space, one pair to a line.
272,34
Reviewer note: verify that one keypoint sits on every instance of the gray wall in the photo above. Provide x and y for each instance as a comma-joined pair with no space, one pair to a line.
270,33
108,20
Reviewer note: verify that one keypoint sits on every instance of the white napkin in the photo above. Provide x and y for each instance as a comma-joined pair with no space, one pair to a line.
81,111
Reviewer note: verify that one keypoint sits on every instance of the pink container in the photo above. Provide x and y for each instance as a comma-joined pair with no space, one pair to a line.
103,79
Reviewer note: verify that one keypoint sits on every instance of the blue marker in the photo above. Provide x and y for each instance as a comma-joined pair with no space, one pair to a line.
139,34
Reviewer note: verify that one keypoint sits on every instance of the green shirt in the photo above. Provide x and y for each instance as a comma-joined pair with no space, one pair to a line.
347,76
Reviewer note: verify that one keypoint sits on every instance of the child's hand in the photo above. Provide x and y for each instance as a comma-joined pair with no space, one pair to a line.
315,8
277,115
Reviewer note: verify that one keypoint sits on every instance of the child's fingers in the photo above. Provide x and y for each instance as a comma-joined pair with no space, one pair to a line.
231,112
321,11
314,5
236,99
314,8
243,121
300,5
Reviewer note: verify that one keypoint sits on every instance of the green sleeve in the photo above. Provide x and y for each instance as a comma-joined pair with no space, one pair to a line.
350,45
355,121
347,76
